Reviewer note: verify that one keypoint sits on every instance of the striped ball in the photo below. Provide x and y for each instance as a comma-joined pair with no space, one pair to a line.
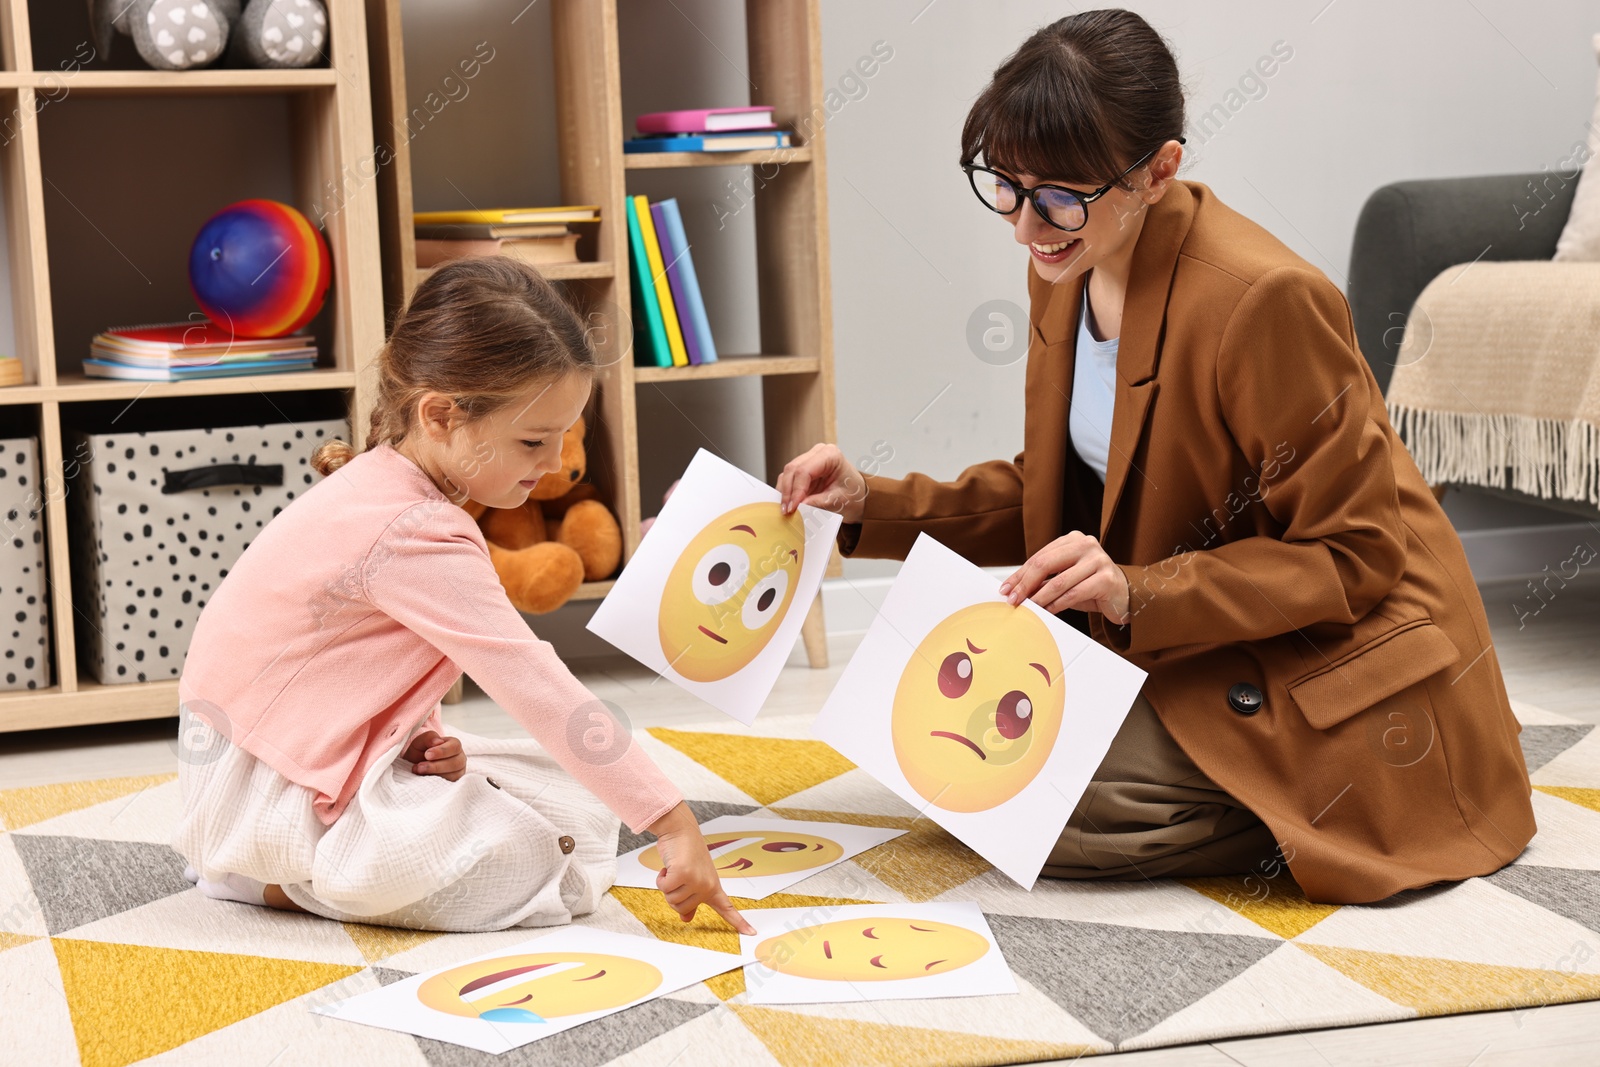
259,267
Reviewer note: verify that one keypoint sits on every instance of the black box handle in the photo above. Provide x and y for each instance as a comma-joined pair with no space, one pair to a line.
223,474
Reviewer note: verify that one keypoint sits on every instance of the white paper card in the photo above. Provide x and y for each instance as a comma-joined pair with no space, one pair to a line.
759,857
715,595
989,719
504,999
872,952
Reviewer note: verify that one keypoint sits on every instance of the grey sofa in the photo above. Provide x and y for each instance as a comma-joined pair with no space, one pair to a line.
1410,231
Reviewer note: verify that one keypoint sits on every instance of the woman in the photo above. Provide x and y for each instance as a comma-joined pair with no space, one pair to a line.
1209,474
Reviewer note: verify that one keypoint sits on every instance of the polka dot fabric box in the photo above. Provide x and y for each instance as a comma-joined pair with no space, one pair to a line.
168,513
24,607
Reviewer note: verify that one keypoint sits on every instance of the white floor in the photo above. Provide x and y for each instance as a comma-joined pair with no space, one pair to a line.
1549,660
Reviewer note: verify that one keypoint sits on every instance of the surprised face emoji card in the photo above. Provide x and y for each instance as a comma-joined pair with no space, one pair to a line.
988,718
715,595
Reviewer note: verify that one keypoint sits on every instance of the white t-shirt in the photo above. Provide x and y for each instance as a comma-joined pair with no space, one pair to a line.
1094,390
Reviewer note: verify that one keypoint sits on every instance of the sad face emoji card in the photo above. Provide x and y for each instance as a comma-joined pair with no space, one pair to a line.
988,718
758,856
715,595
872,952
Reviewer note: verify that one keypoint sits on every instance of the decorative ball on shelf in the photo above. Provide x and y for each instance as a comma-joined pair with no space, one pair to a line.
260,268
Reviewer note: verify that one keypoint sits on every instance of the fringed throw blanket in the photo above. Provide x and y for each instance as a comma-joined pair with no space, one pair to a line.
1500,371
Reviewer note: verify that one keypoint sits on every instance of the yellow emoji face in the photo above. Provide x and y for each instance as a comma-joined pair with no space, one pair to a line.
978,707
726,593
537,986
872,950
763,852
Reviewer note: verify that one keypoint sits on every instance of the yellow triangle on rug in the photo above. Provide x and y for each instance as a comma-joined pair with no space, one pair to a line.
131,1001
36,803
797,1040
1589,798
924,862
1276,904
378,943
764,768
1435,986
9,940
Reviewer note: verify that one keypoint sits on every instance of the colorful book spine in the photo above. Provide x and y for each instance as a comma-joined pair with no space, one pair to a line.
672,252
653,338
709,142
705,120
691,305
658,278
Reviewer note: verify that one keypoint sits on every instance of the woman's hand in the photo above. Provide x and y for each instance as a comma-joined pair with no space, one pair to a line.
1072,571
823,478
689,878
442,754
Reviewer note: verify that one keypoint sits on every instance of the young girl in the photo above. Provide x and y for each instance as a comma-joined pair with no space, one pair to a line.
316,773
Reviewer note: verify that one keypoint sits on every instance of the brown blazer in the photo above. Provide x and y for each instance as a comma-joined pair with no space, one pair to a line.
1275,532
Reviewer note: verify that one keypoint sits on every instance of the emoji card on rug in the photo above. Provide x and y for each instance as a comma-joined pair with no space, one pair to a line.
758,857
872,952
506,998
715,595
988,718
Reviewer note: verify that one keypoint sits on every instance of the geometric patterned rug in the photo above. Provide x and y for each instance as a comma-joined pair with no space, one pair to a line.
108,956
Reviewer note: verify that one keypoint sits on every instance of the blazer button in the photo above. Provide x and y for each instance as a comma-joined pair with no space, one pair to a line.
567,844
491,781
1244,698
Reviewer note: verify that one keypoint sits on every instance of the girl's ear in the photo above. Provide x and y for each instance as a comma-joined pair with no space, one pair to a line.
434,415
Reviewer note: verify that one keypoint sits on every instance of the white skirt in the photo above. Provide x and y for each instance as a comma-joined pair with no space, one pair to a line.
515,841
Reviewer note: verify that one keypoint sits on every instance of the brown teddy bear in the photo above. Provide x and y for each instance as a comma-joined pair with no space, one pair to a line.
562,537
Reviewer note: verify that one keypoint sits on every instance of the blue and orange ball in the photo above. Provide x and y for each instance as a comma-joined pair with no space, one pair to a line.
260,268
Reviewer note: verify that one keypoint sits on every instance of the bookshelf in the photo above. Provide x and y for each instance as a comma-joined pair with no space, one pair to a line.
795,366
291,135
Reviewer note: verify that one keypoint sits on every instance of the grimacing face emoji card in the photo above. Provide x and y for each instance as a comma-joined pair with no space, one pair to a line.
532,989
874,951
757,856
728,590
978,707
714,597
988,718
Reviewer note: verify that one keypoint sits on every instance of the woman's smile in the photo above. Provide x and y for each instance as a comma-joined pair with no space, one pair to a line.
1054,251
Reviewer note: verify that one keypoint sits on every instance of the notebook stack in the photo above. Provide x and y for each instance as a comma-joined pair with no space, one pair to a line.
541,236
715,129
178,351
666,290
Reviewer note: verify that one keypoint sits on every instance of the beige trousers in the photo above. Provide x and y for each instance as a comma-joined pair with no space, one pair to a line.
1149,811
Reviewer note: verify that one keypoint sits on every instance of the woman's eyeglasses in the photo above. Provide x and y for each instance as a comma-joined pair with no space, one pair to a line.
1065,209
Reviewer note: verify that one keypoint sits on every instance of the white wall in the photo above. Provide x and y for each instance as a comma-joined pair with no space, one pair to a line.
1374,92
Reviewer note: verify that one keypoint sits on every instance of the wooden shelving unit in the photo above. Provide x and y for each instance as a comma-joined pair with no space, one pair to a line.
329,135
796,366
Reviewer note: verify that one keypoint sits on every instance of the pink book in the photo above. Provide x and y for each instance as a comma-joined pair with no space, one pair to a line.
705,120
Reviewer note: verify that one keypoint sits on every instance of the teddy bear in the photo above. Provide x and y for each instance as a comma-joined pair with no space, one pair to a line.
184,34
562,537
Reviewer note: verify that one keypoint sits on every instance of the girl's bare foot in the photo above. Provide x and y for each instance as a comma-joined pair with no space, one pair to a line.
276,898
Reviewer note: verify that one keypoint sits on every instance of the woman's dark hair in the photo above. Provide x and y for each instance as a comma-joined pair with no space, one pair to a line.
483,330
1080,100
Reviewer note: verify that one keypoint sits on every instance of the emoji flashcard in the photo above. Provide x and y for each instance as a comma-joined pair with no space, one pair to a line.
714,596
757,857
504,999
872,952
987,717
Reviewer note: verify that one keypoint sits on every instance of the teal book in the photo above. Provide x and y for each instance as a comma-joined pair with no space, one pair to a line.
650,343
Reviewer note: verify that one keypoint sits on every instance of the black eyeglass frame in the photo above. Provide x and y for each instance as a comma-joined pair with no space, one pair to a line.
1031,194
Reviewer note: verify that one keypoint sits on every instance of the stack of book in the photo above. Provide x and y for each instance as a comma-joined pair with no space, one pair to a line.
178,351
666,290
715,129
537,235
